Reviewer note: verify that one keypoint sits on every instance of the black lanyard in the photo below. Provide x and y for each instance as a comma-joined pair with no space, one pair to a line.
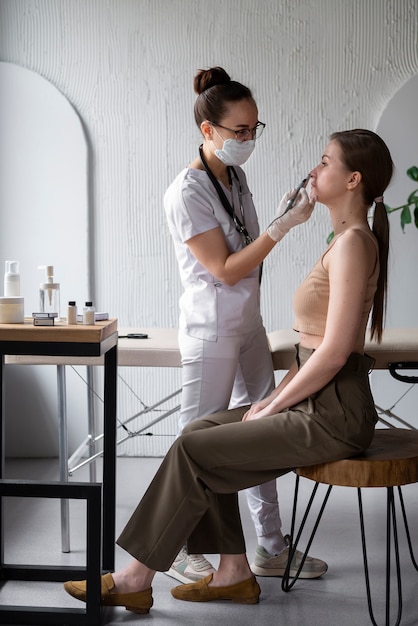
226,204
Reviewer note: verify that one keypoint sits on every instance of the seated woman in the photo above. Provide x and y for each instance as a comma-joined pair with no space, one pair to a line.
321,411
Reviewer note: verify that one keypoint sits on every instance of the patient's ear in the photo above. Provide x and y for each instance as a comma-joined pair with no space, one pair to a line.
354,180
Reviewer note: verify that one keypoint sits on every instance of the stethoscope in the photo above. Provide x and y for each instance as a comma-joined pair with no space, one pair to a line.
239,225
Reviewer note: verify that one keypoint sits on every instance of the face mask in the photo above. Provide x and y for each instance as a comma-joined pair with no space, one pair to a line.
235,152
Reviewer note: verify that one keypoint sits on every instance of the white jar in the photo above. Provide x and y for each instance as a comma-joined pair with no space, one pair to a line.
89,314
72,313
11,310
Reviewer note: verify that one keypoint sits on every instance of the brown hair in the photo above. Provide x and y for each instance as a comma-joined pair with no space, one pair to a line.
215,91
365,152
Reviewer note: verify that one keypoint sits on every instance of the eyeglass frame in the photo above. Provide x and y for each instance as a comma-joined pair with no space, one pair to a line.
251,131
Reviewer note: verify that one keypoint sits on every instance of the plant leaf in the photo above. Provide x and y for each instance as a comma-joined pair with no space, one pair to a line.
416,216
396,208
413,197
405,217
412,172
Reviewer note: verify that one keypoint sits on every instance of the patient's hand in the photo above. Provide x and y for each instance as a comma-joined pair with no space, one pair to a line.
256,410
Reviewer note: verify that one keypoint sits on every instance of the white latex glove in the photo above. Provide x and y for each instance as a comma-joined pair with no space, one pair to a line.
299,213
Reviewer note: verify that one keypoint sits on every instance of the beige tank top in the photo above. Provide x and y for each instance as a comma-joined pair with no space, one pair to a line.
310,302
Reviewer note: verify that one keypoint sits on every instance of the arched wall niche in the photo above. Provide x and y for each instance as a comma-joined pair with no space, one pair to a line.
398,126
44,220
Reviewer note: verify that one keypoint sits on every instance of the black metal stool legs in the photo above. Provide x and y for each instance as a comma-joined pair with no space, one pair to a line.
286,585
391,528
392,546
408,536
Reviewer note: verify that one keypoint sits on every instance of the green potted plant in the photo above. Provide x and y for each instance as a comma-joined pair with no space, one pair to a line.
411,204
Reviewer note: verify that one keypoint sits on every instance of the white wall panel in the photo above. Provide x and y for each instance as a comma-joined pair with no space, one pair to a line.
127,66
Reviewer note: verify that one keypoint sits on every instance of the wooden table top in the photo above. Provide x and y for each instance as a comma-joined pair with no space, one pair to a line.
60,332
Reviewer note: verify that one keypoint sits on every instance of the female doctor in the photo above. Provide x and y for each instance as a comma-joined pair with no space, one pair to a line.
226,361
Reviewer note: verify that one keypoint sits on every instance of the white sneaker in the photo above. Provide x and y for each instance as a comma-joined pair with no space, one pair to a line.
188,568
266,564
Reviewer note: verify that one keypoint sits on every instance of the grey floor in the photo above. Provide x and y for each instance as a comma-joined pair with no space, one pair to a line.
32,535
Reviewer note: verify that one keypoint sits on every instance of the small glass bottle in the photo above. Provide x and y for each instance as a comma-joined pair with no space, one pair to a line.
88,313
72,313
49,292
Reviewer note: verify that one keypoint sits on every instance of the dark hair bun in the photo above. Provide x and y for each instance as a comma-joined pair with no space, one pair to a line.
205,79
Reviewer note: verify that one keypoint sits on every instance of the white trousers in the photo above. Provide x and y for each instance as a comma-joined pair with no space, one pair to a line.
228,373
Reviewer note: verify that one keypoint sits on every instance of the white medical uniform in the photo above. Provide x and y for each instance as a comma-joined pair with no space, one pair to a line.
226,361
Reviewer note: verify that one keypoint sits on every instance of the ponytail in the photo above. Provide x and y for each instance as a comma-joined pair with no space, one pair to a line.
381,232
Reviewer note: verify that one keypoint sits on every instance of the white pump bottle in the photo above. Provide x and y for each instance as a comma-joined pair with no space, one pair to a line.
12,279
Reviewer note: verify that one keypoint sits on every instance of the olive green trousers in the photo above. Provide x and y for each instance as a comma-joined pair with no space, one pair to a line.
193,497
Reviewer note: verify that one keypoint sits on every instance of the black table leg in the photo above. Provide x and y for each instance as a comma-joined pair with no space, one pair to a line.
109,459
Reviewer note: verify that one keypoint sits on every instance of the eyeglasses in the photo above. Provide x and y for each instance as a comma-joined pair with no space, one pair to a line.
244,134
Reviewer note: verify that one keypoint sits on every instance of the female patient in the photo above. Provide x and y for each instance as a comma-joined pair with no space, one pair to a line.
321,411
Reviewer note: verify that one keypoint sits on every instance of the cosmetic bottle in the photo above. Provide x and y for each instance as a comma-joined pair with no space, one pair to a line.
49,292
72,313
88,313
11,279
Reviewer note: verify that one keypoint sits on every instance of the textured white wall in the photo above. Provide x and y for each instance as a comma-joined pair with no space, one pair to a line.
127,66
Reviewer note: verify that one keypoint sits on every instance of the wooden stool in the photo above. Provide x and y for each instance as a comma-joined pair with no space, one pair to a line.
390,461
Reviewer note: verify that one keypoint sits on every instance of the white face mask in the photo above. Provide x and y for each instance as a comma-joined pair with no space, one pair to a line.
235,152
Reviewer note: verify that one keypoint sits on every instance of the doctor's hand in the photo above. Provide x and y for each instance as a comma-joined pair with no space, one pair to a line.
299,213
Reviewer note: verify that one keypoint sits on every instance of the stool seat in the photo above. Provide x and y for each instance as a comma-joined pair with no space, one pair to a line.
391,460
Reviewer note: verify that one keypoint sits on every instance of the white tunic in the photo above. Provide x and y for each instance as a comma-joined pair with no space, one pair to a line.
208,307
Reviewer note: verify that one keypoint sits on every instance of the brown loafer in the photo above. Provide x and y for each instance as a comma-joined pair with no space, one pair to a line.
246,592
138,602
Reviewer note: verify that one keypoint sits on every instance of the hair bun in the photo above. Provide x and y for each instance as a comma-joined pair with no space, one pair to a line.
205,79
